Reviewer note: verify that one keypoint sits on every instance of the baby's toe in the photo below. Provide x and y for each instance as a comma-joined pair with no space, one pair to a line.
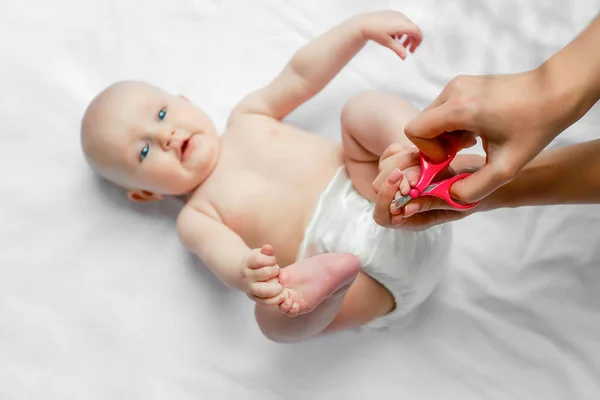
286,305
405,186
273,301
295,310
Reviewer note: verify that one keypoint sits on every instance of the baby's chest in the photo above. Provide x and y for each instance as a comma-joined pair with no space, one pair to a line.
246,193
259,207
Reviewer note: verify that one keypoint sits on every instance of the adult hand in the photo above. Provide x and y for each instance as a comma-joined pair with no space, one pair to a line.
553,177
399,169
516,115
509,112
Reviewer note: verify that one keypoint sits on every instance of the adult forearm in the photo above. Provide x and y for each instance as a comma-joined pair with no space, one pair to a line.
573,76
566,175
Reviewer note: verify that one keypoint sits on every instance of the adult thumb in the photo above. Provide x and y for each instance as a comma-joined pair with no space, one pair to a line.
426,128
478,185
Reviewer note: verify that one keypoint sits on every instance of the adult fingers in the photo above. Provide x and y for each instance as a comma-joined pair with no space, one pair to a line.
425,204
482,182
385,196
425,220
428,125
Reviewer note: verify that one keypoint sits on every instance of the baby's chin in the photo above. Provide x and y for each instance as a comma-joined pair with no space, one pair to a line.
184,189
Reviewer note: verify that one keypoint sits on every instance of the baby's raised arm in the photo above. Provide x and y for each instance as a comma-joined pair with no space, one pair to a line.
316,64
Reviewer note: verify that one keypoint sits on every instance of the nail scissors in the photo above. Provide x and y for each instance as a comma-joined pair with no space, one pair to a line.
441,189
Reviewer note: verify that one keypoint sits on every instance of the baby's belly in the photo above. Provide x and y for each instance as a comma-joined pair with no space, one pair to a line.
282,218
278,189
279,214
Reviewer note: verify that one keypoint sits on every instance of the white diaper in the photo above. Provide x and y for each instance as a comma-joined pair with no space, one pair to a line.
408,264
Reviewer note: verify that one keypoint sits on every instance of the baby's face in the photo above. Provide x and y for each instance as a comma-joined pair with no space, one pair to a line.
148,140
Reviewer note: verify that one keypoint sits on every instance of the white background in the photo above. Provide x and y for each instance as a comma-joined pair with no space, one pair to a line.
98,300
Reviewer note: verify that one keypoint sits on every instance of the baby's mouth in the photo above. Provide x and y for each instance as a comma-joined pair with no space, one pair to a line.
184,145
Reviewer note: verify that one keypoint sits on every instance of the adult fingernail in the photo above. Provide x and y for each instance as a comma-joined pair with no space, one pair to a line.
398,222
411,209
395,176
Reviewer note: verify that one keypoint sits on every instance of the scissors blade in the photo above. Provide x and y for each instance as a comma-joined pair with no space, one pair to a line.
430,188
401,201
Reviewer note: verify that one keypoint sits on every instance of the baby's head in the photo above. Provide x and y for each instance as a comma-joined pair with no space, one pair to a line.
148,141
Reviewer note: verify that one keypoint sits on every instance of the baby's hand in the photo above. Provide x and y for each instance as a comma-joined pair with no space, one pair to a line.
399,156
260,271
405,158
393,30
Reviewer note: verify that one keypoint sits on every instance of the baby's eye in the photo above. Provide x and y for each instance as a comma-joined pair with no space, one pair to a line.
144,152
162,114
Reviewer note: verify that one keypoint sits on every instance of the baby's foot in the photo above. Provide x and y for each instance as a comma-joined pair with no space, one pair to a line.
308,282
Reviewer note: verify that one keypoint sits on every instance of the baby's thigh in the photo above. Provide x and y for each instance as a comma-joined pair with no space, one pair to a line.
355,311
378,110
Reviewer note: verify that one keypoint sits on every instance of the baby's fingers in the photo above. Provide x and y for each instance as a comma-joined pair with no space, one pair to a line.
262,274
268,289
402,160
411,177
396,47
415,41
267,250
259,260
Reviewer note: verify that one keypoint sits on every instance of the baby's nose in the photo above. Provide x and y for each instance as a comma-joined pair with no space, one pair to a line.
168,138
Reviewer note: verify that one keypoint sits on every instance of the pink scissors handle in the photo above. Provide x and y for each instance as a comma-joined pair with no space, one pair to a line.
442,191
429,171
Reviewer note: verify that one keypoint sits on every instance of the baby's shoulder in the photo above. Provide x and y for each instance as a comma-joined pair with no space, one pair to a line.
238,122
197,203
194,216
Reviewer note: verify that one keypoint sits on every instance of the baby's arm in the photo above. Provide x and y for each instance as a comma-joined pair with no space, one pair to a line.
228,256
316,64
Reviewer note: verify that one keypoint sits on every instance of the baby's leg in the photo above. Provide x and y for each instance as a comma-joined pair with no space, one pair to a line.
335,298
317,285
371,122
365,301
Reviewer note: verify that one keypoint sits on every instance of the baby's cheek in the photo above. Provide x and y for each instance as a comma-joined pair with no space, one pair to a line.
166,176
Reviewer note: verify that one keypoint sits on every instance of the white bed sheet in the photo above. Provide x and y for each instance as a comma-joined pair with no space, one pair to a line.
98,300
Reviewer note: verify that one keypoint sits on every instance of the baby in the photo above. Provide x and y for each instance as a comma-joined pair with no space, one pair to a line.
284,215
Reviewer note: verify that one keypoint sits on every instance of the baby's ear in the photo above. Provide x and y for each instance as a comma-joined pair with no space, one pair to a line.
143,196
